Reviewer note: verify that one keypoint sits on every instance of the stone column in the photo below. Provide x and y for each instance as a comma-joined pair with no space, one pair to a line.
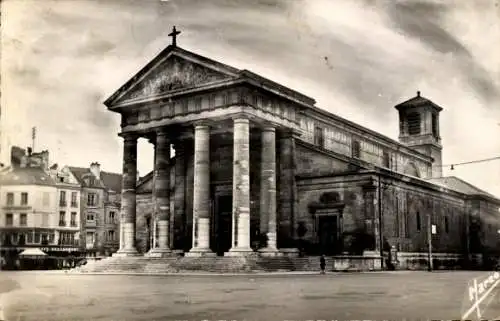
371,214
128,198
179,196
286,187
268,190
201,193
241,189
161,190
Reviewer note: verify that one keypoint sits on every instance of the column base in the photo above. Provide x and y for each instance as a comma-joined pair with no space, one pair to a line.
158,252
270,252
198,252
126,252
240,252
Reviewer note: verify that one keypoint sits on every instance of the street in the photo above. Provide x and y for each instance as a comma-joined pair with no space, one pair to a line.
376,296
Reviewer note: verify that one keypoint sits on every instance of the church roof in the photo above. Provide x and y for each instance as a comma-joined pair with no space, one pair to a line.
26,176
417,101
234,75
459,185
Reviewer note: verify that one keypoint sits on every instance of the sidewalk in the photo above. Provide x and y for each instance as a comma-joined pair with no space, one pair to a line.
201,273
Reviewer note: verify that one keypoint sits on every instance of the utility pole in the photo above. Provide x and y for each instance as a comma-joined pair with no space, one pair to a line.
33,137
429,242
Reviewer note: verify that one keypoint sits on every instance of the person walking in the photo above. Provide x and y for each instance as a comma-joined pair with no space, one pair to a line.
322,263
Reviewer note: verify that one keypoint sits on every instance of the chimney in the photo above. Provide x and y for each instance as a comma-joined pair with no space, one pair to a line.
95,169
24,161
45,159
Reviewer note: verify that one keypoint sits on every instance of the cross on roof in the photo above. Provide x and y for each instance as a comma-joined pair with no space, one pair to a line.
174,34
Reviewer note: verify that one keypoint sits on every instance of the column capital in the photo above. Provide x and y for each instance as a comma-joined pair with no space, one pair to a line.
268,128
241,120
161,131
129,137
289,133
202,124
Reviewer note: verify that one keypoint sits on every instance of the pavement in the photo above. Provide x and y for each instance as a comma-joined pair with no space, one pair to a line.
398,295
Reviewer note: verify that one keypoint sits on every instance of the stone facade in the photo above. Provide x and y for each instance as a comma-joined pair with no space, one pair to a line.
99,209
258,167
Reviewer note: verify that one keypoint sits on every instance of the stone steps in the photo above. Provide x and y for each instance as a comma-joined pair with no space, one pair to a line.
218,264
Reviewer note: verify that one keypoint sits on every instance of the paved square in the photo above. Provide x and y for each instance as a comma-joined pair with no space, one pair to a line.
375,296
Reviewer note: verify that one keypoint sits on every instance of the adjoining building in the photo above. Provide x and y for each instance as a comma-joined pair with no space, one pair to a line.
259,168
100,208
31,213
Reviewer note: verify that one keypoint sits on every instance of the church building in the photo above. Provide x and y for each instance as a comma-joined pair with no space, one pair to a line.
245,166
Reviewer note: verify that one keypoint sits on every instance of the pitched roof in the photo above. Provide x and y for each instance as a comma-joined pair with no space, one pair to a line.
417,101
112,181
459,185
232,72
26,176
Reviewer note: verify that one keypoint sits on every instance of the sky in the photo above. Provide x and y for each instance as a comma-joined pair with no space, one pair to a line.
358,59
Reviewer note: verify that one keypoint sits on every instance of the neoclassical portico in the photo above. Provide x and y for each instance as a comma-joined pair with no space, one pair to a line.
226,126
202,213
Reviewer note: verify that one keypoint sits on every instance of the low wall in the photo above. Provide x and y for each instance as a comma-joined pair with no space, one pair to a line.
367,262
440,261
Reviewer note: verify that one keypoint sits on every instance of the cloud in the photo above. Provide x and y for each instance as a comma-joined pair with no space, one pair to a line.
358,59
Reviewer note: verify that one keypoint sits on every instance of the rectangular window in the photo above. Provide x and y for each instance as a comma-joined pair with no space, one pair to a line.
386,159
356,149
73,219
418,221
24,198
29,238
46,199
62,199
90,217
197,104
23,219
37,238
92,199
446,225
111,217
435,132
90,238
9,219
62,218
45,219
74,202
414,124
10,198
319,137
111,235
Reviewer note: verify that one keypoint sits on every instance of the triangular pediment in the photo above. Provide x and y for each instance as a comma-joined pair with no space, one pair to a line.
172,72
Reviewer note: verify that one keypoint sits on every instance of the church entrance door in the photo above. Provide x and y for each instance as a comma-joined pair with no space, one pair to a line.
223,223
327,233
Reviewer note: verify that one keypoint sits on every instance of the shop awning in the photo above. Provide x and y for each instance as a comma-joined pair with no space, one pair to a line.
33,252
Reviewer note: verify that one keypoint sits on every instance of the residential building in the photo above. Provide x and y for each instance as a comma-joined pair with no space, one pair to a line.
29,210
100,204
68,202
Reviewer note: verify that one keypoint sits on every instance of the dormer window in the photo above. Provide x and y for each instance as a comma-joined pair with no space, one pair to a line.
414,123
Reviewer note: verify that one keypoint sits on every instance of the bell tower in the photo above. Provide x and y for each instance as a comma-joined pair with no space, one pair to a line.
419,129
